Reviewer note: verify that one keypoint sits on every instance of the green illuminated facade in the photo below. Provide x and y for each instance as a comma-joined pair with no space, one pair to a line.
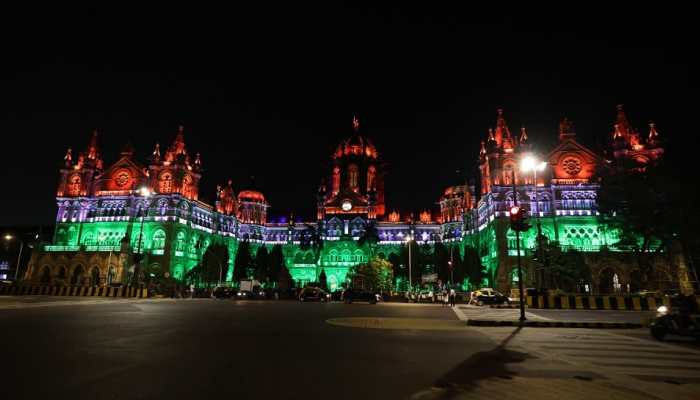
104,218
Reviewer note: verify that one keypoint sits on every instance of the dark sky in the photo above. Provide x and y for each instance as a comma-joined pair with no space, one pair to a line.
270,91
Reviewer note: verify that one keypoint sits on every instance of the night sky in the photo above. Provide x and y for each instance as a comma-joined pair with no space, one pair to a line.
269,92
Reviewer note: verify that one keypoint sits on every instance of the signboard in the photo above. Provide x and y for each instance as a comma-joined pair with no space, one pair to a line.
429,278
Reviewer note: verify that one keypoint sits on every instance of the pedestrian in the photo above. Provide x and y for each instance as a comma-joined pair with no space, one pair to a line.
445,298
453,297
191,290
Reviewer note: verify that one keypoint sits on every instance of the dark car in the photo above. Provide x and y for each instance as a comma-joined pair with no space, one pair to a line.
222,292
314,294
489,296
351,295
250,295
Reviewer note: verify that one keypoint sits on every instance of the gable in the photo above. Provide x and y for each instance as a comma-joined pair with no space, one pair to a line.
571,161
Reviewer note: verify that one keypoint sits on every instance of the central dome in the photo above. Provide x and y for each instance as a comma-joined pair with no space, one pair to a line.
356,144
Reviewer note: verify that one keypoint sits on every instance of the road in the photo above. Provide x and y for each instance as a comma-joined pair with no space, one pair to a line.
143,349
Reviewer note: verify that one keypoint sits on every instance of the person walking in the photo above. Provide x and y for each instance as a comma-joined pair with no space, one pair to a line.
445,298
191,290
453,297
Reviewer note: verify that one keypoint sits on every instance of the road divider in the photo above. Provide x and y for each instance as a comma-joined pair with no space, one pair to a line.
79,291
622,303
555,324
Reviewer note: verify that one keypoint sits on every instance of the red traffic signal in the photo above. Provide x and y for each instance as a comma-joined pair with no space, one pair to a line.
518,218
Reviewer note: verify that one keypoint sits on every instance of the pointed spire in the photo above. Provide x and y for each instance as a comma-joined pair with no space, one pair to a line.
156,152
68,158
355,123
622,123
178,146
653,134
491,138
198,161
523,135
617,134
92,152
502,131
482,151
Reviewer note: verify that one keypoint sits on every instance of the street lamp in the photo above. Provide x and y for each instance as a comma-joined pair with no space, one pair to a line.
8,238
146,193
531,163
409,238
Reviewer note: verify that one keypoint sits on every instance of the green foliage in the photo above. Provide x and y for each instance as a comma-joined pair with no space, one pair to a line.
242,262
377,274
322,280
276,262
262,265
284,279
441,258
566,270
471,267
369,237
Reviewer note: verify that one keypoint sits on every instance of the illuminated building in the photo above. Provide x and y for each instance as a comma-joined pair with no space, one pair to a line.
100,211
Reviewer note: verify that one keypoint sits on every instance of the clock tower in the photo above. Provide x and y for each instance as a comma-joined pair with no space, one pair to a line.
356,182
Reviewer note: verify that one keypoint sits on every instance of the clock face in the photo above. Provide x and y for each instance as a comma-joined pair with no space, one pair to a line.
347,205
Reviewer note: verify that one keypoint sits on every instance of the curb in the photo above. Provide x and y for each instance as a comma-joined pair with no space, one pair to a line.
556,324
506,306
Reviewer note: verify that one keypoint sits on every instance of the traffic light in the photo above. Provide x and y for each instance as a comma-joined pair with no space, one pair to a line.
518,219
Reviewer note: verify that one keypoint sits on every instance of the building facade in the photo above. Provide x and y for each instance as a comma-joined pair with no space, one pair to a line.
104,219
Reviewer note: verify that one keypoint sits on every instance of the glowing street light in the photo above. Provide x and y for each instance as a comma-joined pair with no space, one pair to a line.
409,239
9,237
146,193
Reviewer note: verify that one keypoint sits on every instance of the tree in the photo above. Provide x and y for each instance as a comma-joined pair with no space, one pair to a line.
284,280
242,261
640,206
311,239
214,265
370,237
376,275
441,257
416,263
471,265
322,280
262,265
276,262
566,270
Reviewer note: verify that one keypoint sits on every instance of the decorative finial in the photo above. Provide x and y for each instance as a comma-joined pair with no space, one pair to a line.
355,123
156,152
230,181
197,160
69,156
653,134
482,151
500,112
617,133
491,138
523,135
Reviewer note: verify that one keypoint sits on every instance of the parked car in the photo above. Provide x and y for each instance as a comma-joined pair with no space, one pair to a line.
222,292
352,295
489,296
250,294
314,294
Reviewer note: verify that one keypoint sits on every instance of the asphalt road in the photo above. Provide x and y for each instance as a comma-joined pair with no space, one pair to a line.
216,349
201,349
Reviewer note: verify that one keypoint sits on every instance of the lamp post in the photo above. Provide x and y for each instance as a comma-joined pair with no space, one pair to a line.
8,238
531,163
409,238
517,248
146,193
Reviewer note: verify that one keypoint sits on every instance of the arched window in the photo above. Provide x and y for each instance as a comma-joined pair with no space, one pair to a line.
95,276
352,176
111,274
165,183
77,277
336,180
180,243
371,173
62,273
159,240
345,256
359,256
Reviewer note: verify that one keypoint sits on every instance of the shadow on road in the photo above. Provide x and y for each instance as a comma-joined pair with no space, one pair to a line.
482,365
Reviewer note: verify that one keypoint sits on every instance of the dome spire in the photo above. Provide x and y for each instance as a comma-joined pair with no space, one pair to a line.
355,123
